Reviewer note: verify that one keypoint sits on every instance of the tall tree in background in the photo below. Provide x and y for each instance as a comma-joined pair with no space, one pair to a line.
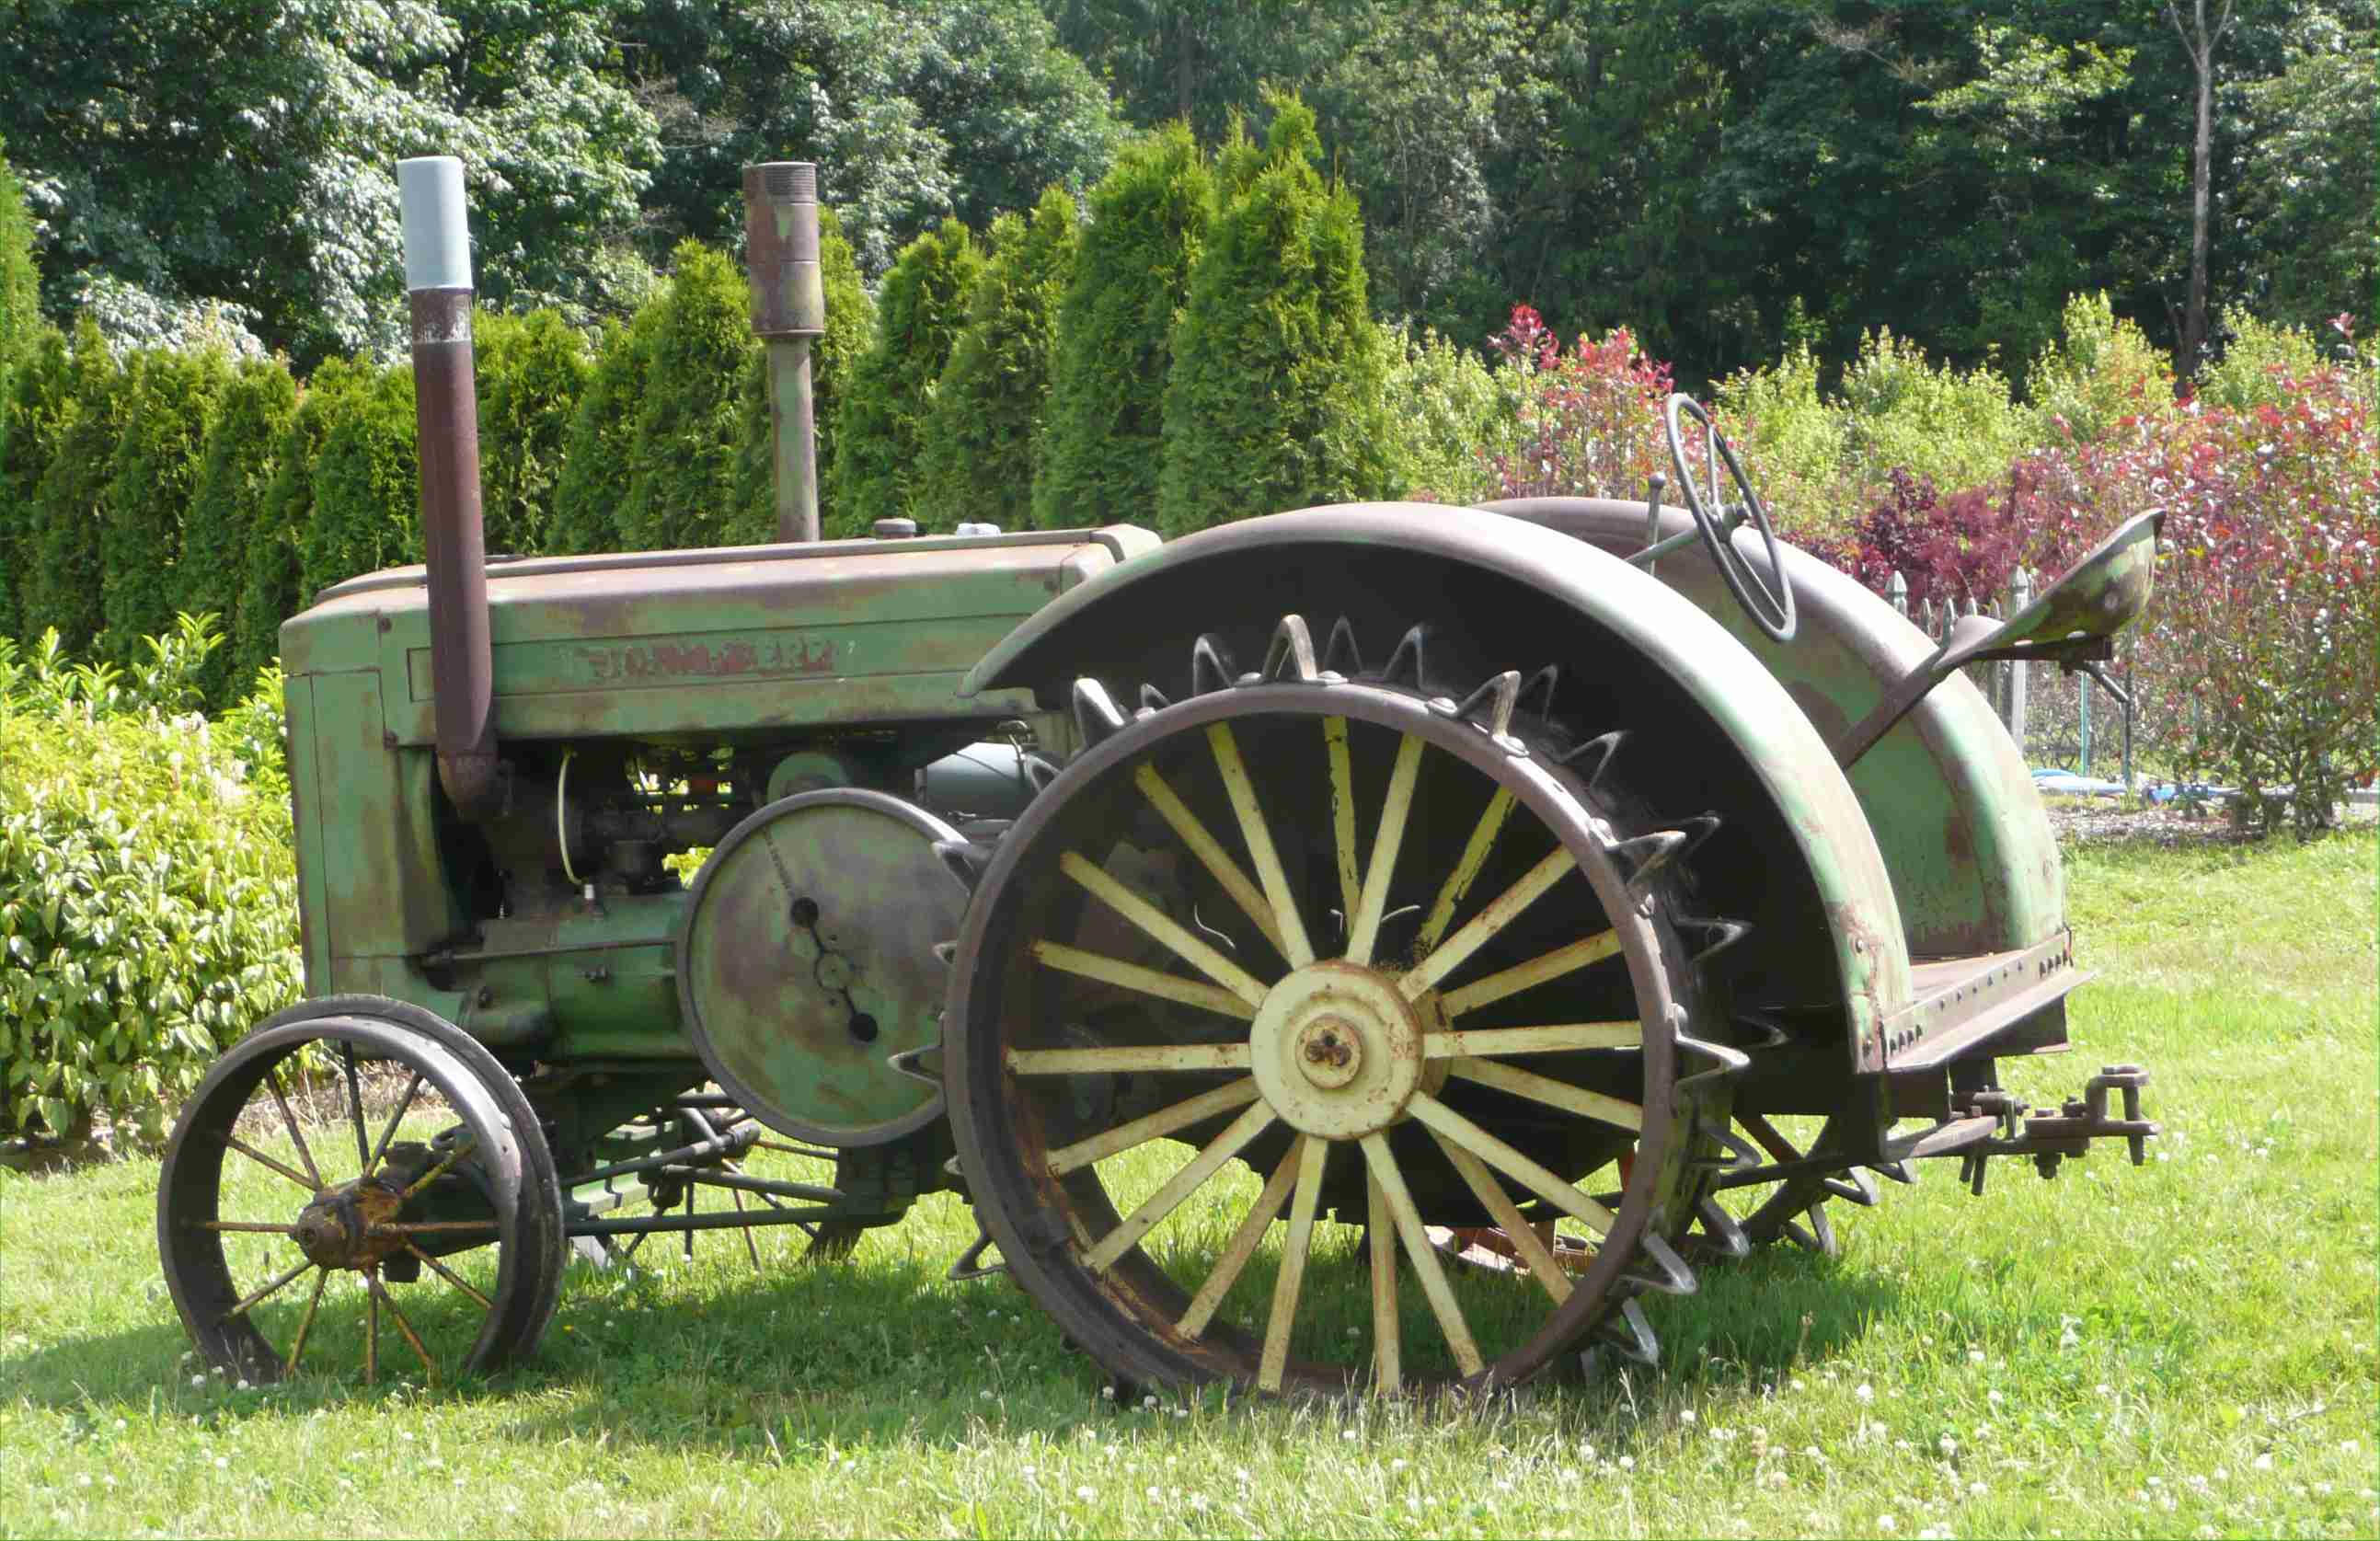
1102,443
682,486
61,588
531,370
235,475
984,435
20,281
598,454
34,417
2200,39
273,586
170,398
2305,176
879,429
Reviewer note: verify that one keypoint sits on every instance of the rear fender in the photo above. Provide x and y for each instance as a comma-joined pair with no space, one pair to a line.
1711,729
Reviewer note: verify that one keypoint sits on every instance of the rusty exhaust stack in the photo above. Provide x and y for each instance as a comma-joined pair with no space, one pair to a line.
780,256
438,283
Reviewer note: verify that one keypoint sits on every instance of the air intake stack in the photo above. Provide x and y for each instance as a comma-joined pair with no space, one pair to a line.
781,254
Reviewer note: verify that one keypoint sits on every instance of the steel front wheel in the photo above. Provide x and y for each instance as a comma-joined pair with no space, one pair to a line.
1387,971
342,1192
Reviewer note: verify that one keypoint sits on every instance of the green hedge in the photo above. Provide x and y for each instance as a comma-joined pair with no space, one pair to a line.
170,398
880,427
531,370
689,429
62,591
33,418
272,581
596,462
227,508
367,482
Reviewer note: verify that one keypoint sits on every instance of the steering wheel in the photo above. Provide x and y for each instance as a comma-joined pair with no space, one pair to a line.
1769,600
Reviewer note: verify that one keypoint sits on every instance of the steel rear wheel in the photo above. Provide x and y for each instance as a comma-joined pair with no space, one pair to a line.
350,1193
1388,970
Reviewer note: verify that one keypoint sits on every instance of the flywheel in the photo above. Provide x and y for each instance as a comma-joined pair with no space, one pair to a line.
1274,988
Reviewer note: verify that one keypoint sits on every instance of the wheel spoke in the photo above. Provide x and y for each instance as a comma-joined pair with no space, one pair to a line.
751,1249
1286,1283
242,1308
1163,1202
1156,1125
434,1173
1128,1056
1552,1093
1511,1163
1387,1331
1209,852
1342,817
1481,929
1508,1218
1550,1038
1537,971
429,1366
1434,1284
1294,943
451,1277
236,1143
356,1105
1163,929
1466,870
428,1228
305,1324
372,1329
1242,1245
1396,809
269,1227
403,1104
297,1135
1148,981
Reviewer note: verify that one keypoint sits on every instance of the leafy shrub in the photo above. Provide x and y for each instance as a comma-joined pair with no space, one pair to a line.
682,481
1902,412
880,425
148,899
531,370
2101,371
272,565
63,588
35,416
597,456
1948,550
2259,363
170,399
1791,442
367,480
1277,398
983,435
1590,420
1103,434
1452,413
236,475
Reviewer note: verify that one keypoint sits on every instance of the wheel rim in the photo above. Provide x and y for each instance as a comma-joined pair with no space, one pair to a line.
342,1190
1375,1047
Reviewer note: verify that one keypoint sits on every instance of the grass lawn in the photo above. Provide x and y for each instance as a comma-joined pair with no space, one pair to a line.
2183,1350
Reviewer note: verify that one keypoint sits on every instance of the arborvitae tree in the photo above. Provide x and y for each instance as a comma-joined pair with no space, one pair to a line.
1102,442
20,281
880,425
271,588
63,589
33,418
682,484
593,486
367,482
1277,398
171,396
850,328
235,475
532,371
983,437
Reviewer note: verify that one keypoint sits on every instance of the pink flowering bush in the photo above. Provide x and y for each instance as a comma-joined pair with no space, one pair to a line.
1590,419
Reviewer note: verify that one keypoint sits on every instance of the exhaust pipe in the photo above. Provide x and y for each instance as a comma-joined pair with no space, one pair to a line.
780,260
438,285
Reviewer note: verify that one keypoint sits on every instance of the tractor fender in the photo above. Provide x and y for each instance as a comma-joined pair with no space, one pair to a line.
1711,728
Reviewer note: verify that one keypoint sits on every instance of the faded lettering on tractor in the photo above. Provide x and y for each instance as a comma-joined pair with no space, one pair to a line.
660,660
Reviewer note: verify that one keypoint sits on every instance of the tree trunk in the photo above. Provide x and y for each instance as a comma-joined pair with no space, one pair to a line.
2199,41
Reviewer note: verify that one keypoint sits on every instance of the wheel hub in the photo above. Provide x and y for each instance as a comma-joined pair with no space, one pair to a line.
1337,1050
338,1229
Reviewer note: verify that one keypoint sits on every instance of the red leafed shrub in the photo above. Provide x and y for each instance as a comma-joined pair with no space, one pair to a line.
1948,548
1590,419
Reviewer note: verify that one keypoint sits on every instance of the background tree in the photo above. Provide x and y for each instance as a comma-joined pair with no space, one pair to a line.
983,437
365,480
237,466
1103,434
850,328
880,427
681,483
532,371
2305,176
34,417
598,456
170,398
1276,398
272,585
20,281
70,505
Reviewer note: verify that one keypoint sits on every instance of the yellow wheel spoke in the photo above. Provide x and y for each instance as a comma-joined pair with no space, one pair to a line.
1210,851
1507,1216
1466,870
1148,981
1511,1163
1481,929
1292,940
1400,1203
1128,1056
1242,1245
1163,929
305,1324
1552,1093
242,1308
451,1277
1537,971
1163,1202
1387,1332
1364,932
1311,1155
1156,1125
1342,815
1547,1039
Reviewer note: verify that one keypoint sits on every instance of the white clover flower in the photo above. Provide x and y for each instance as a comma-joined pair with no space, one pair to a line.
1866,1393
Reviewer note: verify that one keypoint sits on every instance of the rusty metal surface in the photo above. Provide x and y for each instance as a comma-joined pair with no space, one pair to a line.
781,258
1962,1002
447,420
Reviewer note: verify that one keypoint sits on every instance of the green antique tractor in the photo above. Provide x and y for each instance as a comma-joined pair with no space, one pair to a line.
1525,906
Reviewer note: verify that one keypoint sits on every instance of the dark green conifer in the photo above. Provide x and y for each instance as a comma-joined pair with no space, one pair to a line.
682,480
63,588
880,426
236,475
171,396
272,589
532,371
592,490
365,482
35,416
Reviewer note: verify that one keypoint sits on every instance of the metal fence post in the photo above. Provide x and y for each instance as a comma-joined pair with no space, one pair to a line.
1897,591
2020,595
